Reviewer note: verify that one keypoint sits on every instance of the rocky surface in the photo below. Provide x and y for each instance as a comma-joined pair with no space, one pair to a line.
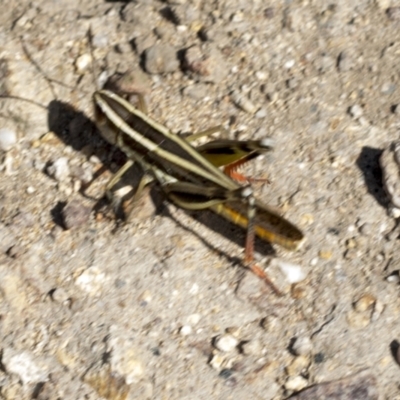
159,307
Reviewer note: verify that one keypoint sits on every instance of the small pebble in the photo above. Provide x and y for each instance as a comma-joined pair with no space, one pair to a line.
393,211
388,88
24,365
298,292
289,64
231,382
383,4
75,214
59,295
194,319
296,383
351,254
186,330
83,62
208,67
252,347
133,81
233,330
358,320
261,113
8,138
351,243
100,40
195,61
145,298
366,229
196,92
356,111
292,83
91,280
269,12
226,343
59,170
226,373
319,358
378,310
7,238
294,273
217,361
325,254
364,303
393,278
15,251
302,346
161,59
261,75
390,165
298,366
393,13
271,323
345,61
243,102
172,2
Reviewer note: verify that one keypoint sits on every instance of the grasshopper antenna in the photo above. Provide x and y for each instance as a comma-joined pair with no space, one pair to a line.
49,81
93,67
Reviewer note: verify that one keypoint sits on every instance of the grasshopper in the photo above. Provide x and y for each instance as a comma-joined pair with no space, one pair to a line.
189,176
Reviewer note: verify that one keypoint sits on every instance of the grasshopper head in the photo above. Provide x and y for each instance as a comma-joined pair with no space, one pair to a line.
102,104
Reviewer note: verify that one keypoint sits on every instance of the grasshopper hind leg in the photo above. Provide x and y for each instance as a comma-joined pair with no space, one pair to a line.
249,245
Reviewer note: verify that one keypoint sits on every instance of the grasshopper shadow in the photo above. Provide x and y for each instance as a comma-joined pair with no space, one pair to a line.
215,223
77,130
368,162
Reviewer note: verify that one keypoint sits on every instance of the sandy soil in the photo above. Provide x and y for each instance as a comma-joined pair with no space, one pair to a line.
160,307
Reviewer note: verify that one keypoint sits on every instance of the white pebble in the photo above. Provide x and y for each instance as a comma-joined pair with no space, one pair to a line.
296,383
194,319
383,4
356,111
289,64
261,113
226,343
302,346
8,138
253,347
91,280
185,330
217,361
393,211
24,366
393,278
83,62
194,289
294,273
100,40
261,75
243,102
59,170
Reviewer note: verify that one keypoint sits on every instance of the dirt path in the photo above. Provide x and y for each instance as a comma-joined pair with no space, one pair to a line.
159,308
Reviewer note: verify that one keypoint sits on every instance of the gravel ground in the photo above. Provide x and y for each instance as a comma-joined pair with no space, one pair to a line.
159,307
